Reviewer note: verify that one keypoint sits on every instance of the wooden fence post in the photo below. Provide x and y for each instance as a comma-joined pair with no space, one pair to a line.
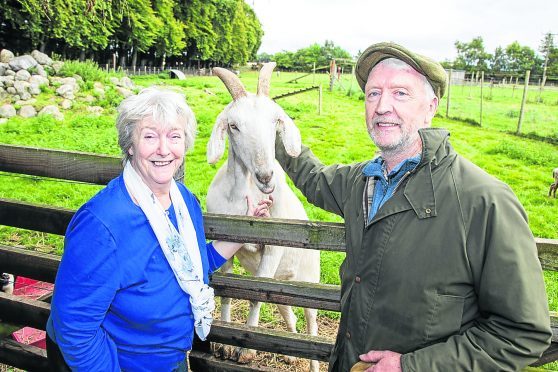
332,72
481,97
113,62
320,100
522,110
314,73
449,94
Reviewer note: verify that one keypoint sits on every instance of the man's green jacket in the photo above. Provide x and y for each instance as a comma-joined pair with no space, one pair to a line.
446,273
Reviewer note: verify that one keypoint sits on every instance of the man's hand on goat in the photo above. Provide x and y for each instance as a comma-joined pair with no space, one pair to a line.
260,210
384,361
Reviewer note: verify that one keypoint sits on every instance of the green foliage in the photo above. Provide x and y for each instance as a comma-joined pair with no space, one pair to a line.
88,70
471,56
306,58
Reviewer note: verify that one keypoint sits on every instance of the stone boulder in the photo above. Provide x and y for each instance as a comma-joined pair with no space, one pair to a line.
57,66
6,56
27,111
7,81
38,79
95,110
66,90
124,92
66,104
3,67
22,75
41,58
41,71
30,101
21,86
7,111
126,82
52,110
22,63
34,89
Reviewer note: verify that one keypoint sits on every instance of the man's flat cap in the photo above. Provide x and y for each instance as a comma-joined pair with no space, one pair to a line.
432,70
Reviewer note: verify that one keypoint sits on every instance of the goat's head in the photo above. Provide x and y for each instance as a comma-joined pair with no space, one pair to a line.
252,122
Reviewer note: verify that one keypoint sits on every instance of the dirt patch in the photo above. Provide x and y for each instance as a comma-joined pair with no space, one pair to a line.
327,327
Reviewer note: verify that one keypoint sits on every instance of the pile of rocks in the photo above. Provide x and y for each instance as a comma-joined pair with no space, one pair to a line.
22,77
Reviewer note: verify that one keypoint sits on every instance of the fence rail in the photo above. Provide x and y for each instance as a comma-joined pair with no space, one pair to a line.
302,234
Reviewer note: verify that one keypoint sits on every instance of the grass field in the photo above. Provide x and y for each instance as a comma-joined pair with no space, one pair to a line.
337,135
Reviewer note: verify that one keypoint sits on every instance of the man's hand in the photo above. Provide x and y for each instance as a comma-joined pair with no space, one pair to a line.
385,361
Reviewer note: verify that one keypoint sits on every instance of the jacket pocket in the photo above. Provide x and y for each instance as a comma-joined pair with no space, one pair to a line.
444,318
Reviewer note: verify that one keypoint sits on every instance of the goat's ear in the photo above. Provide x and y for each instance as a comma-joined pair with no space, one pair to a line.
289,134
216,144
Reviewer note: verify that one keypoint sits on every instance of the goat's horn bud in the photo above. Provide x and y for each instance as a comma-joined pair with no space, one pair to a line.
264,78
231,81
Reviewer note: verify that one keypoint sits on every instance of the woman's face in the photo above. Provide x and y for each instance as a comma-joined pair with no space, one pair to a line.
157,152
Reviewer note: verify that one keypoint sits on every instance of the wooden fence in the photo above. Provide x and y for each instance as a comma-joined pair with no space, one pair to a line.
99,169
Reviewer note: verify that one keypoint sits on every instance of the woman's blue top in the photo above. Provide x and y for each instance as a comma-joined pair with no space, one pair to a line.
117,304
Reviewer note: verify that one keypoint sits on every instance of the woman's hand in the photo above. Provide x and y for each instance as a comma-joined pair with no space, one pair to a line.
260,210
228,249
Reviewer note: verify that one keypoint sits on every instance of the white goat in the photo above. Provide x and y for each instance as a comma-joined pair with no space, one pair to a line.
251,123
7,283
554,185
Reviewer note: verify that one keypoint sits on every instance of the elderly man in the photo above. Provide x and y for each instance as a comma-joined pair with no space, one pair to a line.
441,272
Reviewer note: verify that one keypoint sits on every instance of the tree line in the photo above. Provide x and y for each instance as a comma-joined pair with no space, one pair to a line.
512,60
138,32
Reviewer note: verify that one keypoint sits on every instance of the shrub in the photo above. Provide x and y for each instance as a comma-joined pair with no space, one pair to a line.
88,70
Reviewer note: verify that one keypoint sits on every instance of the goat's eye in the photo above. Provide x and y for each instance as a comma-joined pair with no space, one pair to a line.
233,126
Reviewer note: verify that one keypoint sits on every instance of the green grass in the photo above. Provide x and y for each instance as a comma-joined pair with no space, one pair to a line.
338,135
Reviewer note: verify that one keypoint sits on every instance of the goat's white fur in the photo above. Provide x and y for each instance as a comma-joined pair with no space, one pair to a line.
252,122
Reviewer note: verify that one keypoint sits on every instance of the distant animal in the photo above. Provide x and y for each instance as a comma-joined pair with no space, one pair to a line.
252,122
7,283
554,185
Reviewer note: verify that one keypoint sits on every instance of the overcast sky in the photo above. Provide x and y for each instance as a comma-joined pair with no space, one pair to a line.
430,27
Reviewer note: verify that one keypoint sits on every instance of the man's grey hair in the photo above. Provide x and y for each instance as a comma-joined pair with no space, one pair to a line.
165,107
401,65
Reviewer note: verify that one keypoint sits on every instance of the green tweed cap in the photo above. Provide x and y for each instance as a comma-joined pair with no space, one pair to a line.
432,70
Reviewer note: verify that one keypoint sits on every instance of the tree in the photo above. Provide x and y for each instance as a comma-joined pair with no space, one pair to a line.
520,58
499,61
471,56
546,47
170,39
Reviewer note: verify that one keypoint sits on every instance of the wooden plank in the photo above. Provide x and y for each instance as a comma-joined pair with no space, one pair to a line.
42,266
296,92
550,355
548,253
35,217
296,344
28,263
203,362
67,165
25,357
22,311
292,233
311,295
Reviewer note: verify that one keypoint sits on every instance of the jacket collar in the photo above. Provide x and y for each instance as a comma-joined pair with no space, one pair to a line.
419,190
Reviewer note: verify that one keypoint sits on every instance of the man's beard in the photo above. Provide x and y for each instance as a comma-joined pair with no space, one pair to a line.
401,145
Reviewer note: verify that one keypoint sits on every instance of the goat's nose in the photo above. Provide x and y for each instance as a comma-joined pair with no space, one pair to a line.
264,177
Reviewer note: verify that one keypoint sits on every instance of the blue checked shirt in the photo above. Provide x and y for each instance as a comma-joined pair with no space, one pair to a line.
385,184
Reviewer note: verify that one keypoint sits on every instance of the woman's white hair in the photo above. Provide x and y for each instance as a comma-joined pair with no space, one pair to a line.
165,107
401,65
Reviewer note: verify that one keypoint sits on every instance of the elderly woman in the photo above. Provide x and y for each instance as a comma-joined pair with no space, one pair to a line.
132,284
